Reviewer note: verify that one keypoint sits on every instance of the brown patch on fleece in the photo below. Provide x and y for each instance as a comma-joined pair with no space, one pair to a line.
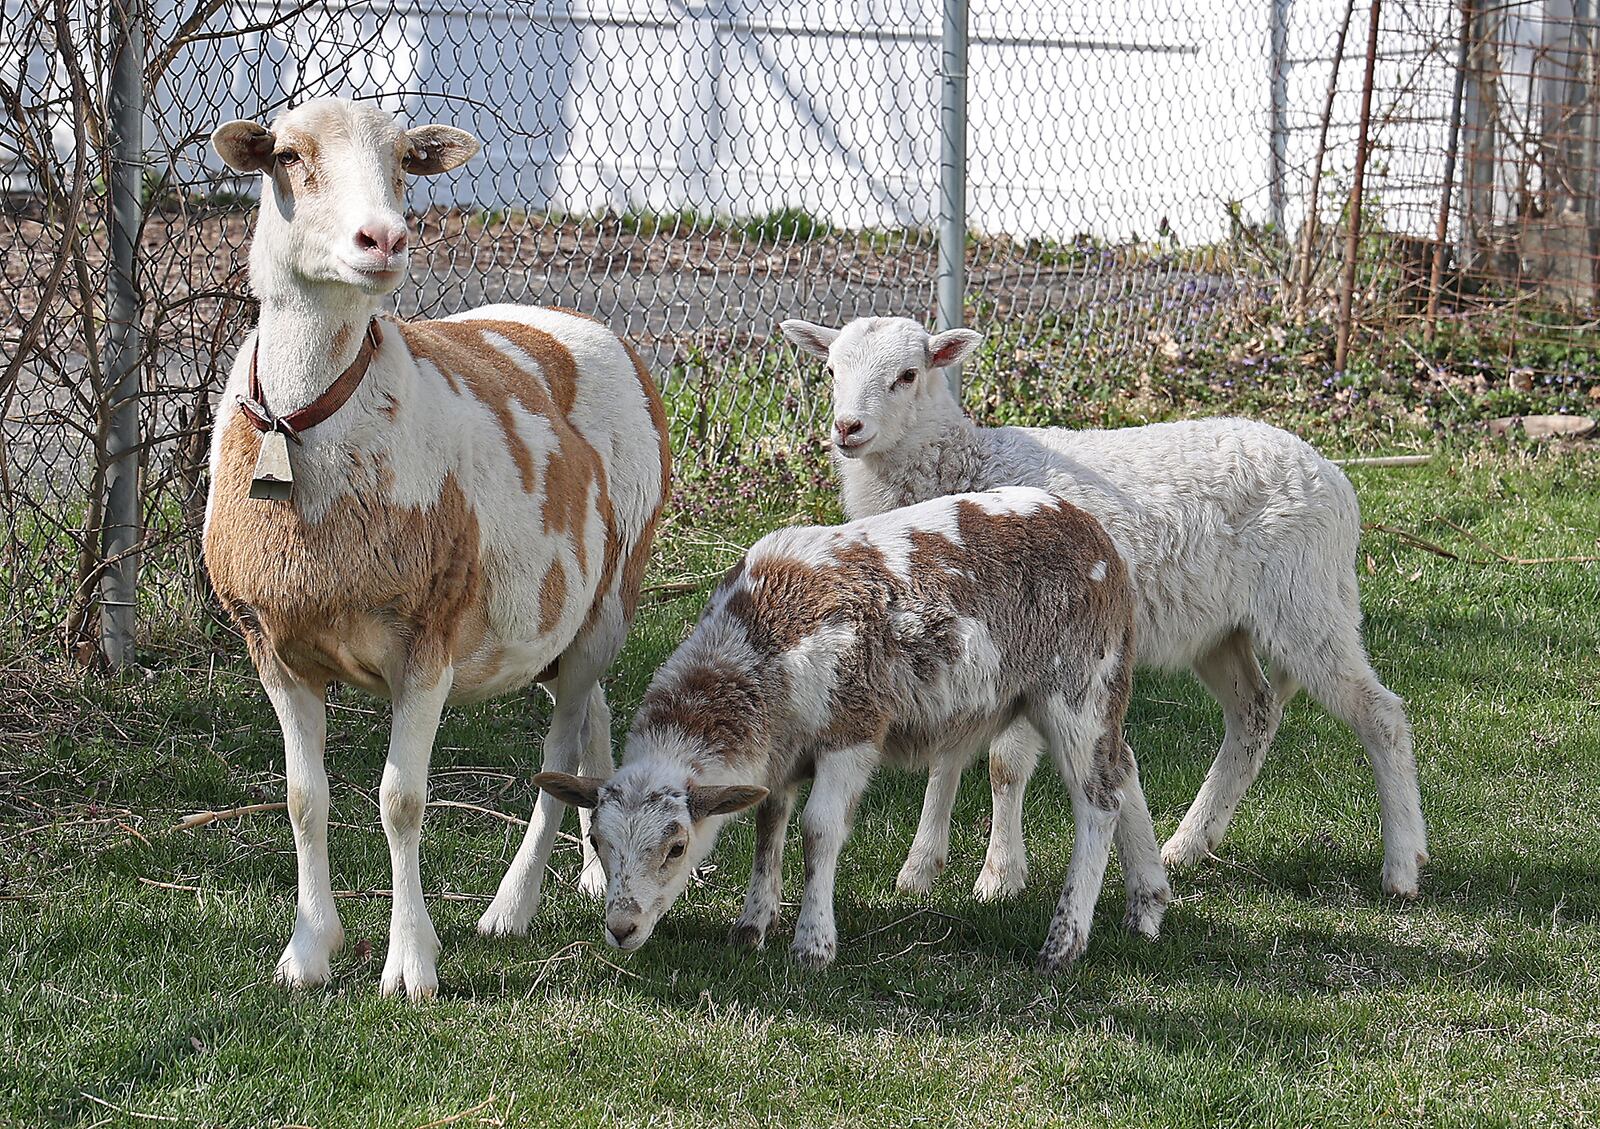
366,593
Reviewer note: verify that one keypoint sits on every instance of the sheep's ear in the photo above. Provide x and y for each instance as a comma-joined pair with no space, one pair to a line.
243,146
810,336
952,346
579,791
438,148
722,799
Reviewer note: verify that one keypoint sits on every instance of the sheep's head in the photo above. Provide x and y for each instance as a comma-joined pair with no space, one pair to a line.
333,179
650,833
885,376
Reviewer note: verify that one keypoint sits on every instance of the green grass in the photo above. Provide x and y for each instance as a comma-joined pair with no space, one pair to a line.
1286,989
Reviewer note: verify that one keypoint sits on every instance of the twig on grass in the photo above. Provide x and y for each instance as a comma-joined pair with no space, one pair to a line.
171,886
127,1112
1499,556
447,895
515,821
201,818
1384,461
1495,555
466,1113
1420,543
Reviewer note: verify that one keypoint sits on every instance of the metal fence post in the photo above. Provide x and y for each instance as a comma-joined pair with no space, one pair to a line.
119,582
1279,122
953,173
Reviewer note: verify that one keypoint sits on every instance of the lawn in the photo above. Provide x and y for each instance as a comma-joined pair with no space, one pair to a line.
1286,989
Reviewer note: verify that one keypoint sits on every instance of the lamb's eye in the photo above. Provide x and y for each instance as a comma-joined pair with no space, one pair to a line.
676,851
907,377
830,370
286,157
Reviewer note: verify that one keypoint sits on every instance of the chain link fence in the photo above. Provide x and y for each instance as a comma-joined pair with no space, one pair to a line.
1137,177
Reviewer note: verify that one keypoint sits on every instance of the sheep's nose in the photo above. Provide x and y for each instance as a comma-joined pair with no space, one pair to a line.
847,427
620,931
387,239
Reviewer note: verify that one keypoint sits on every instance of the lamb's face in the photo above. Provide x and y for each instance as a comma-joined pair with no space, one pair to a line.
650,833
885,376
333,188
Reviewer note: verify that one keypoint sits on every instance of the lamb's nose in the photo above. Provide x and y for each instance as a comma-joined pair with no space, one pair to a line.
621,932
388,239
847,426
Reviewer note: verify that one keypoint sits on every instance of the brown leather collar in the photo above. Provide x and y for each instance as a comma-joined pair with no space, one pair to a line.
254,406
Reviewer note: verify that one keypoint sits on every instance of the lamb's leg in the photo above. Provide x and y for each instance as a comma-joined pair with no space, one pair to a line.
1012,758
1251,711
1143,876
1093,761
830,810
764,896
596,761
1339,676
930,850
402,798
303,714
518,896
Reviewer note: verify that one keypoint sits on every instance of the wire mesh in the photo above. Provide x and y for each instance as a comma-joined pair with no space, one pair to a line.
1140,176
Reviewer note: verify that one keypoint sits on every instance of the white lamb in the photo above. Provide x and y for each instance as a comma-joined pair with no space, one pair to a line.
1240,538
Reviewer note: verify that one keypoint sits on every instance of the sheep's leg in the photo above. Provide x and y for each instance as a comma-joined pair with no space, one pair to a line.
1251,710
518,896
1339,676
1143,876
825,824
1012,758
1090,757
764,896
596,761
303,715
402,798
930,850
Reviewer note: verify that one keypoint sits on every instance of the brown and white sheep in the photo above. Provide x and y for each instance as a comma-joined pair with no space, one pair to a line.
912,637
476,515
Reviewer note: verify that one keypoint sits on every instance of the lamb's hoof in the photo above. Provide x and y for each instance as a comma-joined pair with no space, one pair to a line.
593,880
1402,879
1183,850
305,962
813,950
998,883
918,874
410,971
1146,909
500,922
747,935
1061,947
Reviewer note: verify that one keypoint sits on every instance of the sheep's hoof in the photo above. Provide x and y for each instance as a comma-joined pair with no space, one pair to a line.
1403,881
497,922
1061,948
814,951
747,935
918,874
998,883
305,961
1146,908
1184,851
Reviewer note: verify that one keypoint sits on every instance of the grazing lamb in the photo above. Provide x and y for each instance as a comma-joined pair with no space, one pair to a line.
1239,537
472,504
912,637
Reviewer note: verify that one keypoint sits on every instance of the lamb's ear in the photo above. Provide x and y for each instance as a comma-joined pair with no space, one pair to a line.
722,799
952,346
438,148
579,791
243,146
810,336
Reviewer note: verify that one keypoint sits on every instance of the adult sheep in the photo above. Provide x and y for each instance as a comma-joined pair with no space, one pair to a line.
472,504
1240,538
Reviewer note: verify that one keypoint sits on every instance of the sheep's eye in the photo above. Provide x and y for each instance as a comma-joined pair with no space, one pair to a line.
907,377
675,851
286,157
830,370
